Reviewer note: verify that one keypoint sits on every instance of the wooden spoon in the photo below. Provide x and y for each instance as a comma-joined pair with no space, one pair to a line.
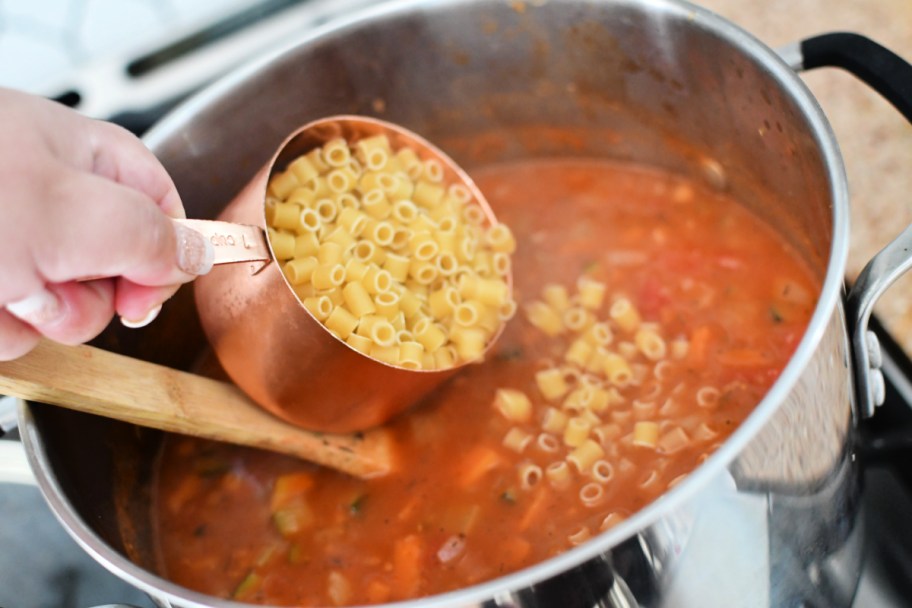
100,382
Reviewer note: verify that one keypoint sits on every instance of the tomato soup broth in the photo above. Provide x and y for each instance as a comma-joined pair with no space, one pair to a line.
653,316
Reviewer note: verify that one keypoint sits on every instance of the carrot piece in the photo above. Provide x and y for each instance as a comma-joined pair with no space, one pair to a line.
188,487
476,463
469,519
698,349
408,553
514,550
408,510
744,357
290,486
378,593
534,511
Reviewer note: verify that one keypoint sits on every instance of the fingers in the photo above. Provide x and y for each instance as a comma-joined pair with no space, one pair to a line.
139,305
43,129
84,198
16,337
120,156
73,313
70,313
88,308
101,228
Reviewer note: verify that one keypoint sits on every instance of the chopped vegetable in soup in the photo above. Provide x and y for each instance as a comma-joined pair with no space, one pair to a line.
653,316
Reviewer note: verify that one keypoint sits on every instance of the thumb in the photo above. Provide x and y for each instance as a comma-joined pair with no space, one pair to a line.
120,156
100,228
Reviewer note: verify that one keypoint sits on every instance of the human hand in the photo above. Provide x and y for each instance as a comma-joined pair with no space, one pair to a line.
81,198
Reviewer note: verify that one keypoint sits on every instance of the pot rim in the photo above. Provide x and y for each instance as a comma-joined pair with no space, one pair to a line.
830,296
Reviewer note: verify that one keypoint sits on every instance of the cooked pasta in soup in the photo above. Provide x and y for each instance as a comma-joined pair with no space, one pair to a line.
653,315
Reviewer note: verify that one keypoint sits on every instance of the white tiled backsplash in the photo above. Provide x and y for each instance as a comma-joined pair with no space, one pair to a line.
41,41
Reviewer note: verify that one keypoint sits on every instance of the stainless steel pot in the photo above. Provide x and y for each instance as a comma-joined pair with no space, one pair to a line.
768,520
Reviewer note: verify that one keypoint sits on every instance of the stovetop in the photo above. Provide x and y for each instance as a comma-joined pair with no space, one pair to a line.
887,498
42,567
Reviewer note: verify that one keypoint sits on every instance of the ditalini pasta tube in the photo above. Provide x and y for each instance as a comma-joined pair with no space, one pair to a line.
375,231
600,392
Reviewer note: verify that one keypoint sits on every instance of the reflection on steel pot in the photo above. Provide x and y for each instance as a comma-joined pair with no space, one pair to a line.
771,518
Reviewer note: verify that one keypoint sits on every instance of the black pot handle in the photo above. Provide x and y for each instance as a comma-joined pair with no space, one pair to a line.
882,69
891,76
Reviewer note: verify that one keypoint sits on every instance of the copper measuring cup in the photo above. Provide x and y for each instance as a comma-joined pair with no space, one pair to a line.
267,341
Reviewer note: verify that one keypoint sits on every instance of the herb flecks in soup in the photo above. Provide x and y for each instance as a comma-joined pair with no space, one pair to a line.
654,315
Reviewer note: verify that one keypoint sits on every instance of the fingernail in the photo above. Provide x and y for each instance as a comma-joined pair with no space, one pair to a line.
195,253
39,308
136,324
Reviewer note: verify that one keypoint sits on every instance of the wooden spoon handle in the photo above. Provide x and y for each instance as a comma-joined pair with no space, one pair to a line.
108,384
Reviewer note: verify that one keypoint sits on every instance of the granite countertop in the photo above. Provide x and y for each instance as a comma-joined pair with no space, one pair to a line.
876,141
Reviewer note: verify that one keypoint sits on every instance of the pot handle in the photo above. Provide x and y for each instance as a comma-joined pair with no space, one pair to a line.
879,67
891,76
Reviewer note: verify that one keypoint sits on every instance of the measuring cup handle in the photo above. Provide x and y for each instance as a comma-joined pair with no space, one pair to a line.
891,76
233,243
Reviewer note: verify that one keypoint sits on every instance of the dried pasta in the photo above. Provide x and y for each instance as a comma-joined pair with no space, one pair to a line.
380,232
529,475
646,434
517,440
558,474
585,455
551,383
581,535
513,404
606,390
584,391
592,494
